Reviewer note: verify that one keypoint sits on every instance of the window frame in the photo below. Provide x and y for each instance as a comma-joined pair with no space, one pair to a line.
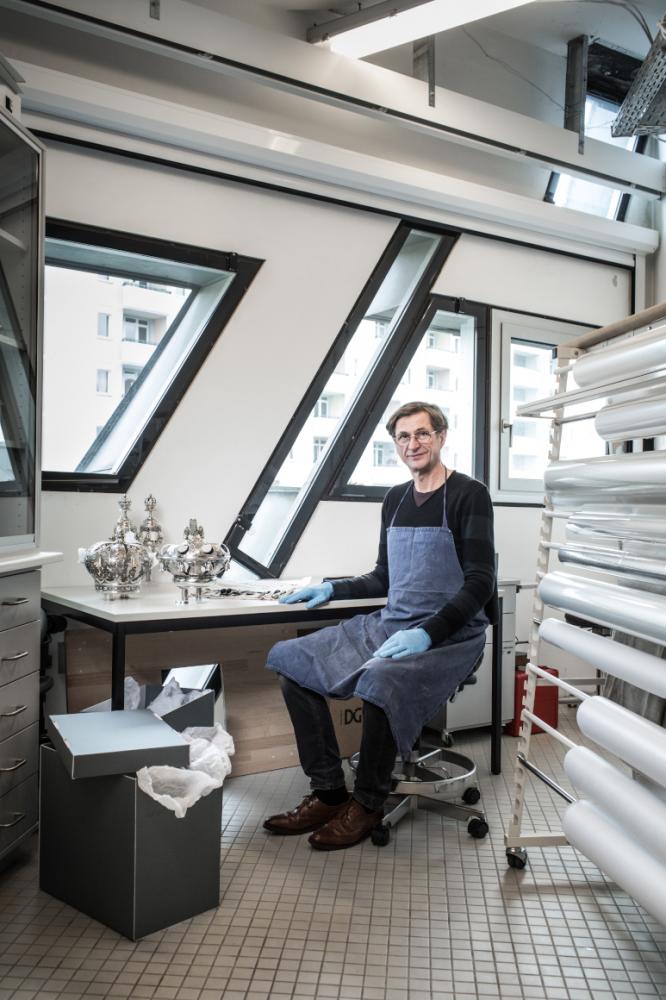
503,488
245,269
356,419
340,488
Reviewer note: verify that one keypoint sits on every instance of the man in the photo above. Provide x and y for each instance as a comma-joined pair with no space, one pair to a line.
436,564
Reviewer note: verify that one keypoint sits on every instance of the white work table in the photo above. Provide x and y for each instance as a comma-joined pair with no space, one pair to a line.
157,609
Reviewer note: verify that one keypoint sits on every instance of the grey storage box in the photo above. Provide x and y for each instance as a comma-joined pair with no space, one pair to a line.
114,853
92,744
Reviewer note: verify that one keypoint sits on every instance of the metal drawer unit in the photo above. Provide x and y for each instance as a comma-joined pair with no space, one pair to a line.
19,706
19,599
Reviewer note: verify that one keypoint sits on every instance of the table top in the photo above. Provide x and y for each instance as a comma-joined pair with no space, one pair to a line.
161,602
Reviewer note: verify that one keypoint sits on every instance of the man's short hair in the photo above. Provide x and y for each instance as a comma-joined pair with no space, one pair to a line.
437,418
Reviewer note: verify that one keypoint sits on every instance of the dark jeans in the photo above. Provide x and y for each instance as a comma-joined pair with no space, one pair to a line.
318,748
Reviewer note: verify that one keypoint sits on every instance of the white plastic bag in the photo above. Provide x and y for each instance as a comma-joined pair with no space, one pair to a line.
175,788
179,788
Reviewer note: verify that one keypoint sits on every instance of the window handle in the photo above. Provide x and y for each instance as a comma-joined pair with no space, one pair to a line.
16,656
15,766
508,426
13,711
11,602
17,819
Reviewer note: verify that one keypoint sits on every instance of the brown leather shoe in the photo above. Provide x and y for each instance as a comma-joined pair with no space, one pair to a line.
306,817
352,824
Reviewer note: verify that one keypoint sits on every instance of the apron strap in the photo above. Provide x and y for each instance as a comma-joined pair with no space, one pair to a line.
445,523
409,487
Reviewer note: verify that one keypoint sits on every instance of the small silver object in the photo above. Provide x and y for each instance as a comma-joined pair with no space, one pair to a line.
194,563
119,564
150,532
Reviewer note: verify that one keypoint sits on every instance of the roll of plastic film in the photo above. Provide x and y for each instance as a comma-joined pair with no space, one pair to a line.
640,743
630,805
618,855
645,671
638,612
637,419
639,477
652,547
620,563
641,522
633,355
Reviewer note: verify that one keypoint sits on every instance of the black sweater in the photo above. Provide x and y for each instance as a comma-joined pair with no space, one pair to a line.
469,514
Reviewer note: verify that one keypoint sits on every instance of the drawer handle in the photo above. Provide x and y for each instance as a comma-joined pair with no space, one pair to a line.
13,712
17,819
11,602
14,767
16,656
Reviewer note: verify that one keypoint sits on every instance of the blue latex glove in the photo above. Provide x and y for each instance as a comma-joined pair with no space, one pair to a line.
315,595
407,642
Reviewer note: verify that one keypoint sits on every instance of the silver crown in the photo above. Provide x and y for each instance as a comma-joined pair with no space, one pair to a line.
119,564
194,563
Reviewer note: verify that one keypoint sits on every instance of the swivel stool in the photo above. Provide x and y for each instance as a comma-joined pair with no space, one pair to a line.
433,771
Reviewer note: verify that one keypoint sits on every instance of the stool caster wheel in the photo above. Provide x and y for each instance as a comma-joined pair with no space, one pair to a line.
471,796
516,857
447,740
380,836
477,828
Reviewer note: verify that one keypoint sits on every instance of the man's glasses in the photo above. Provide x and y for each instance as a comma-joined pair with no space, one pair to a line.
422,436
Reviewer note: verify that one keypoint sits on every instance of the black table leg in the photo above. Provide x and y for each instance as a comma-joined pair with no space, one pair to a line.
118,667
496,704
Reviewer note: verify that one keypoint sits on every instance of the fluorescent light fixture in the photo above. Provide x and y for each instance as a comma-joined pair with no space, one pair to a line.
385,25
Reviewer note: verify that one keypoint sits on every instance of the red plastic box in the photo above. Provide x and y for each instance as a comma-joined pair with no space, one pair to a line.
545,703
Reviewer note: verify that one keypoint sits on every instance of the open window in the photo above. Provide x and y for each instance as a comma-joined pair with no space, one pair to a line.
357,379
526,347
128,322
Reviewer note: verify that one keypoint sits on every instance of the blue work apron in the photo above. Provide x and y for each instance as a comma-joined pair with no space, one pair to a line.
337,662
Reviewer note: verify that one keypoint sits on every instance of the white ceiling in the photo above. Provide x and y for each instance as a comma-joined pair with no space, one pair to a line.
548,24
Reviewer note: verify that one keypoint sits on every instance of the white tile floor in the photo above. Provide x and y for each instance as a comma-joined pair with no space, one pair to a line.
435,914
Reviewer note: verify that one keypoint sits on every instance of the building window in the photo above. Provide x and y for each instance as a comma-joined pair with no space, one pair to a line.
383,453
170,299
103,324
321,409
130,375
438,379
318,445
138,328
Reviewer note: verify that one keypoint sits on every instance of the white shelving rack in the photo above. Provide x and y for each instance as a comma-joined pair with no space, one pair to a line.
612,506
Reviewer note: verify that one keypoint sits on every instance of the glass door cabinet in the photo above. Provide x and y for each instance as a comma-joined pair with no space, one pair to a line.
21,233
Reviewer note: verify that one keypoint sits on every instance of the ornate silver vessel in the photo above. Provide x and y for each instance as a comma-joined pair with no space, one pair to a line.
150,532
194,563
119,564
